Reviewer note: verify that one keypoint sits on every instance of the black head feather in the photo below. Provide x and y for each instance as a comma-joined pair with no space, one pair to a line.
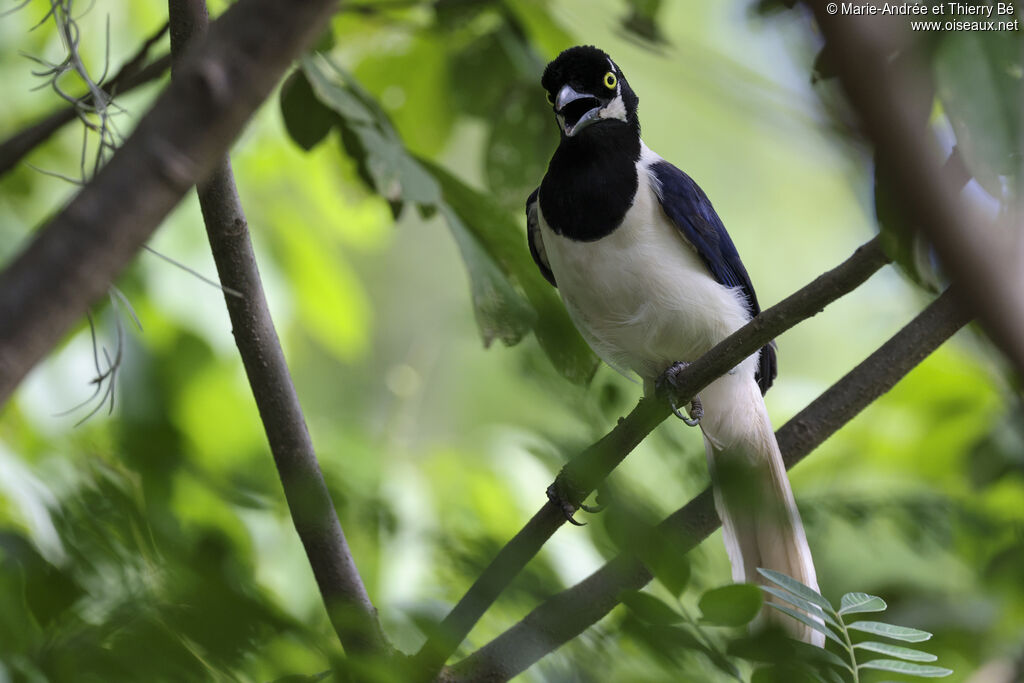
592,177
584,67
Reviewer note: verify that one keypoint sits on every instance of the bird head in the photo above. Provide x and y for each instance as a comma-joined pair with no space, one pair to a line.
586,89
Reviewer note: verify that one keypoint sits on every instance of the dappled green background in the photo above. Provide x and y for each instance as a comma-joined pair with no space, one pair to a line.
153,543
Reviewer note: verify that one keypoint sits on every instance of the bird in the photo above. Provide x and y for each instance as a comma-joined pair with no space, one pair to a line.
652,280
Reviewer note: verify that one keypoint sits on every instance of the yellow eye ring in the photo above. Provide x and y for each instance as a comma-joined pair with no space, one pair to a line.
549,98
610,80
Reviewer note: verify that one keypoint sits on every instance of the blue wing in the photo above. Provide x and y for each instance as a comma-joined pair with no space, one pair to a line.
533,236
690,210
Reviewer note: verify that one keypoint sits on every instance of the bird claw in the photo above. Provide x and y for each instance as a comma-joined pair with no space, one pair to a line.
562,499
666,384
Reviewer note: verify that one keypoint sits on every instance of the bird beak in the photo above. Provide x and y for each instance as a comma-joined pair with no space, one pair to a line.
575,110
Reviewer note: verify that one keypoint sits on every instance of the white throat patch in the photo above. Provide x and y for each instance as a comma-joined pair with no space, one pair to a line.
616,109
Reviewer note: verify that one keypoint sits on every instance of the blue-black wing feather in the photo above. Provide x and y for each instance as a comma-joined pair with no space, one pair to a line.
690,210
535,239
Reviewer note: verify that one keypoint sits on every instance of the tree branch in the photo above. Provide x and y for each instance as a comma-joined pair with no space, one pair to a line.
582,474
982,260
348,606
130,76
72,260
565,615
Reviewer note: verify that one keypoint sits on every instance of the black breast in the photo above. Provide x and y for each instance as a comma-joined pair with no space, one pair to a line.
591,182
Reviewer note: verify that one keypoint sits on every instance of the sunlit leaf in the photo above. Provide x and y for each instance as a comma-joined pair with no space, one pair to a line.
910,635
733,605
413,87
906,668
853,603
896,651
369,137
332,304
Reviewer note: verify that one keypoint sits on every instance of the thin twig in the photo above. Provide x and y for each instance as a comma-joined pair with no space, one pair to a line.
71,260
565,615
130,76
585,471
348,605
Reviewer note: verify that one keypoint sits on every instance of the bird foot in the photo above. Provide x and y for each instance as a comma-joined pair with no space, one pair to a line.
562,494
666,385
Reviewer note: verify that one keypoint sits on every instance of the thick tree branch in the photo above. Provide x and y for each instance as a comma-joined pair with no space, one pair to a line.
74,258
565,615
130,76
585,471
982,260
348,605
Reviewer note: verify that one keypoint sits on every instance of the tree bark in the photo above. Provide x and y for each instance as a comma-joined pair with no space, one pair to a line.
73,259
348,605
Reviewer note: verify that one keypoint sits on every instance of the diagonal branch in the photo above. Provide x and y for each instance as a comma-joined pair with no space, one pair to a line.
983,261
585,471
130,76
565,615
348,606
75,256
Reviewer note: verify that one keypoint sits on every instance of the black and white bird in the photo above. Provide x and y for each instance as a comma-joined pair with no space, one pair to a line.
650,277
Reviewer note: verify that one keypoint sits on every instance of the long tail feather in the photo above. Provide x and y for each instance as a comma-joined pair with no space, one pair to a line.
760,522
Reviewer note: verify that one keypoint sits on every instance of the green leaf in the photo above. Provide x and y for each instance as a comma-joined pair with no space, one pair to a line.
337,94
906,668
797,588
806,606
501,312
774,645
369,137
650,609
854,603
642,21
412,79
505,240
878,628
896,651
978,78
544,32
306,119
332,304
733,605
804,619
523,136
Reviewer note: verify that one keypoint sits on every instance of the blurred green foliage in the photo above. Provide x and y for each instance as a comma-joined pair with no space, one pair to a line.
384,191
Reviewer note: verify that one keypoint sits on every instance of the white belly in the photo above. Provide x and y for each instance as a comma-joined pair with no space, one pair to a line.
641,296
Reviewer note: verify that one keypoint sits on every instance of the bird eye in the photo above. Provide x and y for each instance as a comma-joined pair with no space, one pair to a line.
550,100
610,80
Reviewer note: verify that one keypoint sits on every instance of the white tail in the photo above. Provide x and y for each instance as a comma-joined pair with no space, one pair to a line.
760,523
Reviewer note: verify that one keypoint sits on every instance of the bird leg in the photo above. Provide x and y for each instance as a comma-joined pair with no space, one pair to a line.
665,386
